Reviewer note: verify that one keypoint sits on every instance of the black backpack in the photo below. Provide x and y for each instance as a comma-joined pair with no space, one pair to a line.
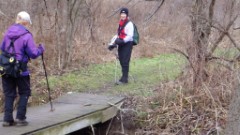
9,65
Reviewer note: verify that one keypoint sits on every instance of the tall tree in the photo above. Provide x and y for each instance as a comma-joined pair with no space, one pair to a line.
66,23
202,17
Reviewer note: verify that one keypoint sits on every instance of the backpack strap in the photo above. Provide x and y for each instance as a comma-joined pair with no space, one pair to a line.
11,46
13,49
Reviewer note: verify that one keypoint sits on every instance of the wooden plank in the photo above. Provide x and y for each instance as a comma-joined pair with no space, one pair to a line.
72,112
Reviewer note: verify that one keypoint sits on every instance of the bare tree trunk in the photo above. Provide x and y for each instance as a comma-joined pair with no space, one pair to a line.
67,22
73,9
201,29
60,30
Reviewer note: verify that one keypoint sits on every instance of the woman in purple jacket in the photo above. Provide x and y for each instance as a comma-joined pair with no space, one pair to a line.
25,48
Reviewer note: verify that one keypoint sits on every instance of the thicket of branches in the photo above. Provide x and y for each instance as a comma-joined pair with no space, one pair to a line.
76,33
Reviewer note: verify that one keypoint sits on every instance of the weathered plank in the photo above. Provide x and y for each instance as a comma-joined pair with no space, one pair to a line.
72,112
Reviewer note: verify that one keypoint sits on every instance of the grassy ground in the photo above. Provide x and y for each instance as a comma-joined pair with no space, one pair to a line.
145,73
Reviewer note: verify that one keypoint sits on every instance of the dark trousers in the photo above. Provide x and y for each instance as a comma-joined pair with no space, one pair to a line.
124,53
12,87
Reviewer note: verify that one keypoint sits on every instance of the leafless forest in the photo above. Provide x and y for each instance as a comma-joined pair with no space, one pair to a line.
76,33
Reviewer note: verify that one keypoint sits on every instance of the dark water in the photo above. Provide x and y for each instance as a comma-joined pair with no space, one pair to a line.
99,129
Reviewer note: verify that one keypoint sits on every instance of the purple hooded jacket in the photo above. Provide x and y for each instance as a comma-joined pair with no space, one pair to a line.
24,44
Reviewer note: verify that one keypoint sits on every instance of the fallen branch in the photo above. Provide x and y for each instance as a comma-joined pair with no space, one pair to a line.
118,107
109,126
93,131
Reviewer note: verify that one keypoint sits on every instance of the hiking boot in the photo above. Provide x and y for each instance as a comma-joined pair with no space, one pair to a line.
8,124
121,82
21,123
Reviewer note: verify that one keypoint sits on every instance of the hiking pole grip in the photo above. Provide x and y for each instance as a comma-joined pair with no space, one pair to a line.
48,88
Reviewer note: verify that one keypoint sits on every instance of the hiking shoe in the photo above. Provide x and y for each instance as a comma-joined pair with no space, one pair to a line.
8,124
120,83
21,123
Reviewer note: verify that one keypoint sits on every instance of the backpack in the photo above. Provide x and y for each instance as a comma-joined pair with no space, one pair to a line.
135,33
9,65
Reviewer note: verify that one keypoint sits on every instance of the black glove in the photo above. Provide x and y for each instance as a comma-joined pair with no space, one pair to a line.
111,47
119,41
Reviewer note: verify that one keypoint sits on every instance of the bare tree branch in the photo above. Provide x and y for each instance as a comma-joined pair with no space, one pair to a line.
181,52
129,1
118,9
236,28
219,58
2,13
186,56
155,11
210,17
223,33
71,14
233,41
211,9
48,14
114,12
228,64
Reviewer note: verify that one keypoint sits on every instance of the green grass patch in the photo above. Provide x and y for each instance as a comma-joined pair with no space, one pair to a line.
145,73
228,53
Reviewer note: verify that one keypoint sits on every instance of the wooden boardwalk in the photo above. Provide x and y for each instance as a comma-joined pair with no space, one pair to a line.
72,112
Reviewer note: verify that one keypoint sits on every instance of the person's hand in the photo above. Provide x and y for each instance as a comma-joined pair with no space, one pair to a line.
111,47
41,48
119,41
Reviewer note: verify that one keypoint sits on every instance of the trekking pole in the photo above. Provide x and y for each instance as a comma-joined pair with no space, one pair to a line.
49,94
116,64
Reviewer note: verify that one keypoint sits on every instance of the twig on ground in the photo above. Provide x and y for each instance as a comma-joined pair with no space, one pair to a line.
109,126
93,131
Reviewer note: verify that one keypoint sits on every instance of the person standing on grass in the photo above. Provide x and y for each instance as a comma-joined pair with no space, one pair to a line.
24,49
125,44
